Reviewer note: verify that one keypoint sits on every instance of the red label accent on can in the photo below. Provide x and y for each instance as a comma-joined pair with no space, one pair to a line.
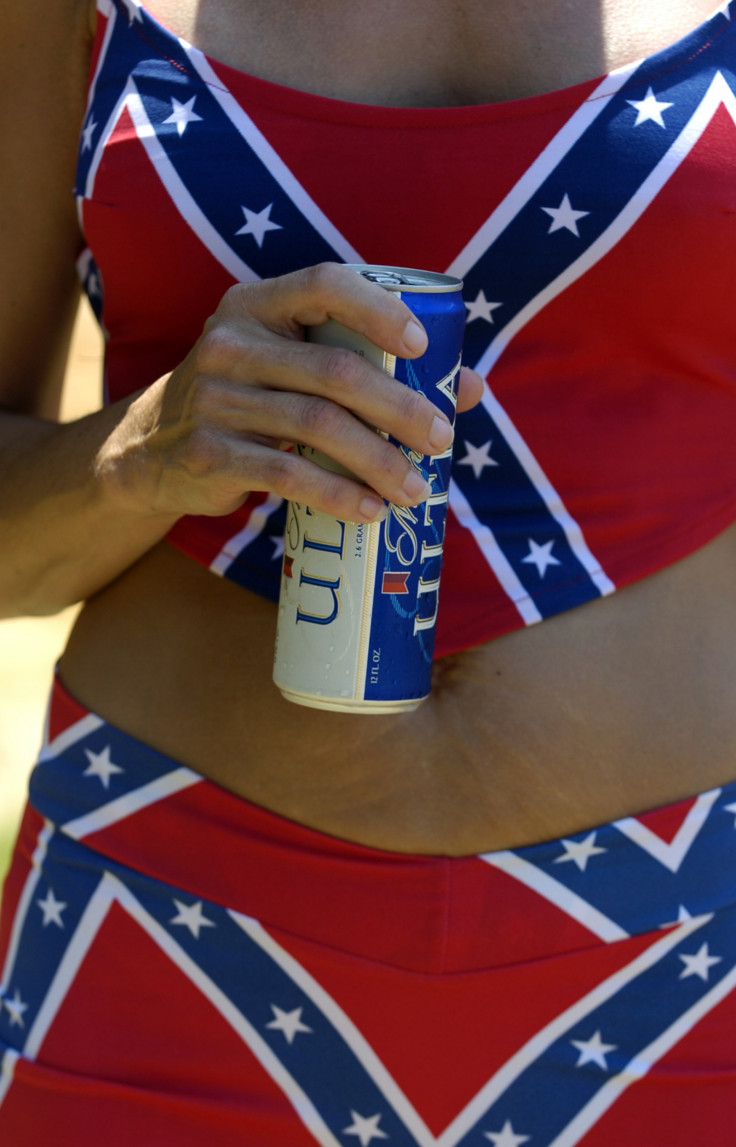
288,563
395,582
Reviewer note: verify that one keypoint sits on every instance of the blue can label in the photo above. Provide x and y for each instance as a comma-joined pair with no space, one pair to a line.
358,605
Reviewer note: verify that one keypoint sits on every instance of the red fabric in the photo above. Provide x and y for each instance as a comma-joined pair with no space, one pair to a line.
448,976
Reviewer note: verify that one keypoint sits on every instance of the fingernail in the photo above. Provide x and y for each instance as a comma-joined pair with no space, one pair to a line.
373,509
415,337
415,486
441,434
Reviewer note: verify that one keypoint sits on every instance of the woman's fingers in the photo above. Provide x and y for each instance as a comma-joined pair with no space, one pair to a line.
300,479
310,297
314,421
212,429
469,390
289,304
261,361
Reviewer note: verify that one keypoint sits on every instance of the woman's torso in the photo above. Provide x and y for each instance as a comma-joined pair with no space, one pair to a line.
612,707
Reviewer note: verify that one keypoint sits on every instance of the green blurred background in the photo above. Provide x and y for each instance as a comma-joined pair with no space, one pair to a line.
29,647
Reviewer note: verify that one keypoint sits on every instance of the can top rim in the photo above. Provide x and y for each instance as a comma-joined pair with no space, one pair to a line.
406,278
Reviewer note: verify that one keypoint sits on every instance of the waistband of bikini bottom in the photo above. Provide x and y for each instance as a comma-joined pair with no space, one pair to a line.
123,802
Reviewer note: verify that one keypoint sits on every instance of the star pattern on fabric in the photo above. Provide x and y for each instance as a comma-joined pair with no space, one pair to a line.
478,457
698,964
480,308
191,917
15,1007
593,1050
101,766
650,108
682,917
723,9
52,909
541,556
580,851
183,114
506,1137
365,1128
134,11
565,216
258,223
289,1023
278,547
87,134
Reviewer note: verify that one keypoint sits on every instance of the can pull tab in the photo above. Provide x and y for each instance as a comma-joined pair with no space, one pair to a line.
396,278
387,278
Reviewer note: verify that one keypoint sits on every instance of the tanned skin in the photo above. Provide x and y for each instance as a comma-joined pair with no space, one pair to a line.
611,708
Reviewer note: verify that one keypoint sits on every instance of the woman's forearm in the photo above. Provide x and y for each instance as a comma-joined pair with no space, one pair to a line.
65,530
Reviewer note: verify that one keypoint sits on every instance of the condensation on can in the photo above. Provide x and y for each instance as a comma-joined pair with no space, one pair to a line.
358,602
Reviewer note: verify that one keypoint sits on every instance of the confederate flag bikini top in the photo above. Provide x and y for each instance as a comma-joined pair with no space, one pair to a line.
595,230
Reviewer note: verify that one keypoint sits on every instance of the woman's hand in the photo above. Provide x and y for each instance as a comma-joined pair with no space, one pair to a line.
82,501
199,440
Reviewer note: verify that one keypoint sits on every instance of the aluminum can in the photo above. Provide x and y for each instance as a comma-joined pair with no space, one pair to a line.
358,603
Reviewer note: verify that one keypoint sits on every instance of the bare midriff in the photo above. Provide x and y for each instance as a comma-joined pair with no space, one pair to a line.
612,708
615,707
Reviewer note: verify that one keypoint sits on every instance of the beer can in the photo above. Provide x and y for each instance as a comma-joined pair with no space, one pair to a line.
358,602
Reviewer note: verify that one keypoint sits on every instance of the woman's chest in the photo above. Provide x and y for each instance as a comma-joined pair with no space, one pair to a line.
429,52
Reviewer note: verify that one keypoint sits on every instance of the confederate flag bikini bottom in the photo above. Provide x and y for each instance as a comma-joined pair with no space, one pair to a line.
273,986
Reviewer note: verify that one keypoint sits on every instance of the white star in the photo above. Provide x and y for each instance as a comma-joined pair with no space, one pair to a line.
478,457
723,9
93,285
278,548
365,1127
682,916
593,1050
480,308
505,1137
191,917
258,223
288,1022
541,556
650,108
87,135
16,1007
564,216
134,11
101,766
52,909
182,114
698,964
580,851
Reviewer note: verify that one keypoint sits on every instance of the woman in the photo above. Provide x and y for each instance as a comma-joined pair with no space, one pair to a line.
349,929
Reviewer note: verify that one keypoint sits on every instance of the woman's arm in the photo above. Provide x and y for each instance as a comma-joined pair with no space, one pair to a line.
52,516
